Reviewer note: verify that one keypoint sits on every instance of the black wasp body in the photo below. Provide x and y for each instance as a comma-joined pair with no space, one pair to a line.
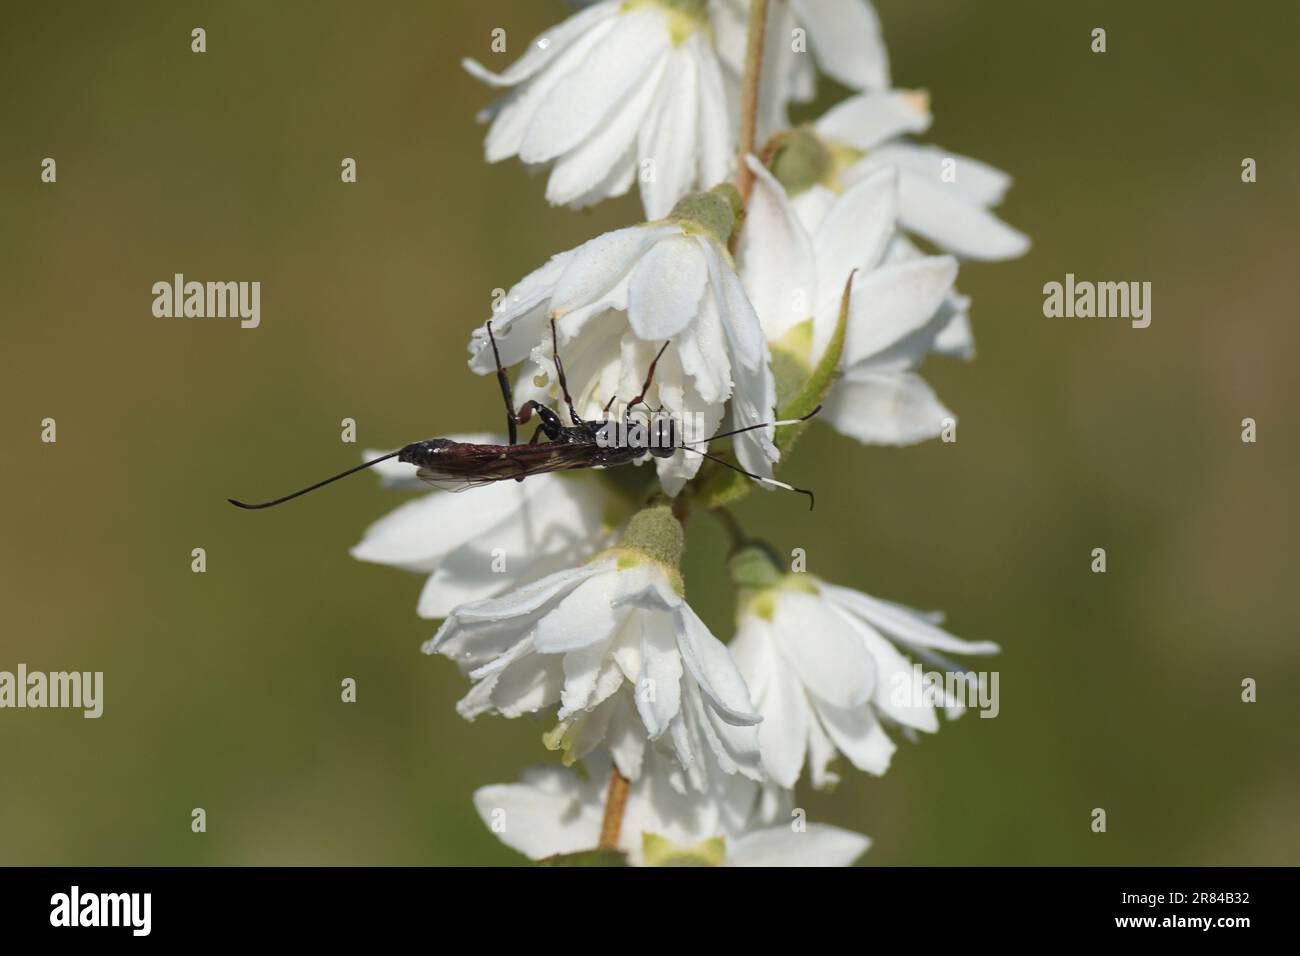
456,466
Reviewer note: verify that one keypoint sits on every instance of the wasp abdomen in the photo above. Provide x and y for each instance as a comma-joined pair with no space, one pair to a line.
426,454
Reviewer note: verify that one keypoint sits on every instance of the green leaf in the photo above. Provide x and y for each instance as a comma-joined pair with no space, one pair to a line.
586,858
721,486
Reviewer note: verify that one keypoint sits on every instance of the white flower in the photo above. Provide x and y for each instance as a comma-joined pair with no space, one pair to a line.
615,300
824,664
898,307
843,37
554,811
623,656
511,534
942,196
622,90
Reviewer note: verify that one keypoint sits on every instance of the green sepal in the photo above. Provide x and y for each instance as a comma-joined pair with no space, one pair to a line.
723,486
818,385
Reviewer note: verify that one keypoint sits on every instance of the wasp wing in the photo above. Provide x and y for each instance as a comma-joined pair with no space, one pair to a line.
475,465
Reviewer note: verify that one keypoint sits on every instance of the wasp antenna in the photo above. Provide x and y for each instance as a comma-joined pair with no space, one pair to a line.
812,500
319,484
750,428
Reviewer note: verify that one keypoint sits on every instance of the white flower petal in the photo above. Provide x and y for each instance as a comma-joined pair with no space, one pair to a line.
715,135
885,407
775,255
625,739
735,748
821,754
739,321
520,320
813,204
752,403
501,617
707,660
585,96
903,623
513,117
590,163
667,140
581,619
818,845
598,265
823,649
955,339
702,351
544,48
900,692
582,667
858,735
853,235
973,180
528,685
942,215
894,301
869,119
616,183
846,40
778,697
416,535
538,823
666,287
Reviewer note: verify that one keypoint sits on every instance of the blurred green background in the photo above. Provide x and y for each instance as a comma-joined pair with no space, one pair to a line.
1119,690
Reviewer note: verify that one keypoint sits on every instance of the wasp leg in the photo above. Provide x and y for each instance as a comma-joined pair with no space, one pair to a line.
649,378
564,384
506,394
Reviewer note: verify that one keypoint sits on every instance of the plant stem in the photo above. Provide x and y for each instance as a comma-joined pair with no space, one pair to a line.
757,30
615,804
729,523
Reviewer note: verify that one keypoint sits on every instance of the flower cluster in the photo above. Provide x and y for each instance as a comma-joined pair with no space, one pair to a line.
820,280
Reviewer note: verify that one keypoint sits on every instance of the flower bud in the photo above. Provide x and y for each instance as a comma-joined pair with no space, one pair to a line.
715,211
801,160
653,534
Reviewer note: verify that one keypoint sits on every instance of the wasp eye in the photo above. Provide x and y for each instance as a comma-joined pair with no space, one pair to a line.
663,437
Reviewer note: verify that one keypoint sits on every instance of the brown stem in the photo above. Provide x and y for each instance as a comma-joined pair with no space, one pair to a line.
615,804
749,95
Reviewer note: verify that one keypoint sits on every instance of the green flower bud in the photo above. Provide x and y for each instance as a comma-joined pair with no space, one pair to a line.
801,160
714,212
653,534
754,567
759,575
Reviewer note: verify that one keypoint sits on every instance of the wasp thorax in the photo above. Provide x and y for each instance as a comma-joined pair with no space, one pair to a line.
658,436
